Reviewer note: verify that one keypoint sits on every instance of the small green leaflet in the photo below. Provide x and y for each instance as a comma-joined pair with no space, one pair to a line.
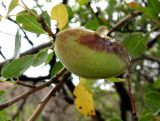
154,4
136,44
49,58
150,10
70,12
17,44
116,119
152,100
92,24
3,115
2,92
147,116
56,68
156,84
18,66
12,5
40,58
113,79
82,2
29,22
46,17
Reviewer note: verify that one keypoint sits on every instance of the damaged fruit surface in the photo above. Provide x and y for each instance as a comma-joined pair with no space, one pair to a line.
88,55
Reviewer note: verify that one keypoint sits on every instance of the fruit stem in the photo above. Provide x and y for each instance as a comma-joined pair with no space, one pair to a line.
135,118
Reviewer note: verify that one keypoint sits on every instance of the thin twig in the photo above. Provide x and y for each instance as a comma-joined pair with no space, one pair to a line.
25,85
45,100
24,78
131,97
2,54
46,27
25,34
123,21
31,91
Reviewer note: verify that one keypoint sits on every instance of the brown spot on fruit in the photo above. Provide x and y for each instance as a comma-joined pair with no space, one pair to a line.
98,43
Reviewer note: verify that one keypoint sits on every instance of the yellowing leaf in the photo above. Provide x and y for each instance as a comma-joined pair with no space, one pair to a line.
60,14
83,99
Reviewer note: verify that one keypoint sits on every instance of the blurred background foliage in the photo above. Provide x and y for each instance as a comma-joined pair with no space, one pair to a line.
140,35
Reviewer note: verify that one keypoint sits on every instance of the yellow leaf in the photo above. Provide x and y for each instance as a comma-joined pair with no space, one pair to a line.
60,14
83,99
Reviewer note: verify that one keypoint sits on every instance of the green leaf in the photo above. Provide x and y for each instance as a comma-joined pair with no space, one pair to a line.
156,84
152,100
154,4
4,66
116,119
113,79
2,92
56,68
12,5
46,17
92,24
146,117
4,116
136,44
49,58
18,117
29,22
82,2
17,44
148,11
18,66
70,12
40,58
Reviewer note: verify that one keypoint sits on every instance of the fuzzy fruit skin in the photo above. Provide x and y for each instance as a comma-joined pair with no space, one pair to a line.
86,54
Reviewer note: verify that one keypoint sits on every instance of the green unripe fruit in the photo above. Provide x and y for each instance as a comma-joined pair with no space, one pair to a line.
88,55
